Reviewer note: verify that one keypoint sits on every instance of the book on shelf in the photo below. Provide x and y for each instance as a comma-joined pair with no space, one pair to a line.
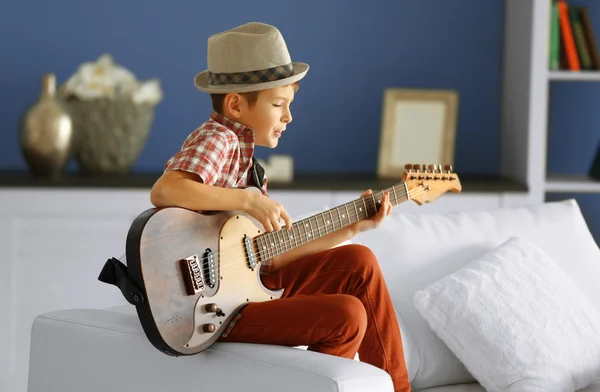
573,44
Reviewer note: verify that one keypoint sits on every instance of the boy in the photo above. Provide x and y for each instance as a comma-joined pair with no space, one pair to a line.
335,300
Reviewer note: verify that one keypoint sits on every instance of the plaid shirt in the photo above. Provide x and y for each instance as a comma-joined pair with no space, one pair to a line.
220,151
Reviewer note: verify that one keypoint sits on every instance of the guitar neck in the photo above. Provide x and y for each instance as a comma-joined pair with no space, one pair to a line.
272,244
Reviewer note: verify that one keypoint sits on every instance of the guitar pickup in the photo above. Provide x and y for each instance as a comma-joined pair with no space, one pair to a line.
250,255
209,265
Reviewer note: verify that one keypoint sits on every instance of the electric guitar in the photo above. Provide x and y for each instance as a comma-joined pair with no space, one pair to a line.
196,270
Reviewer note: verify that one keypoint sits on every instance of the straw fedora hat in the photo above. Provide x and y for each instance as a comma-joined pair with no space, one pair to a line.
249,57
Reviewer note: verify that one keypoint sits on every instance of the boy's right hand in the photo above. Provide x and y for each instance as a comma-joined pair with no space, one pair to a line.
267,211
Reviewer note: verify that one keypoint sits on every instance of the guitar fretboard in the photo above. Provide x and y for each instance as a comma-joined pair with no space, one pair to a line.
272,244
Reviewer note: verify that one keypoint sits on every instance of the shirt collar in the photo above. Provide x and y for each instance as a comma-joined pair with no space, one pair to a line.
243,132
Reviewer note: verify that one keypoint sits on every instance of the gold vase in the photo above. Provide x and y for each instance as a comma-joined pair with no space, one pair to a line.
46,133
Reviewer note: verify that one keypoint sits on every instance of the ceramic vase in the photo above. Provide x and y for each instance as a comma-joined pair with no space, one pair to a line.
46,132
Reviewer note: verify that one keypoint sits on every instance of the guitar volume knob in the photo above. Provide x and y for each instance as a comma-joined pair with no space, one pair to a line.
209,328
211,308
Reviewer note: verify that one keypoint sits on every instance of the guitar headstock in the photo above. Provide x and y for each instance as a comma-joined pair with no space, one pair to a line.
426,183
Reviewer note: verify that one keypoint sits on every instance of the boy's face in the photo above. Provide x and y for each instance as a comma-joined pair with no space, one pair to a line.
269,115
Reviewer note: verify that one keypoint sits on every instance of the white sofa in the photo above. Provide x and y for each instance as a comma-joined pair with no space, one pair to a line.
105,350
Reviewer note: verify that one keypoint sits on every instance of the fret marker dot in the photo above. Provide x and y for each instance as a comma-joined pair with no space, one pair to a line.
360,209
281,241
306,225
309,234
327,222
272,244
343,216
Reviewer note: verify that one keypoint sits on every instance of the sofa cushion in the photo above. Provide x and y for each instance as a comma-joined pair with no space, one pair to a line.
516,321
417,249
97,350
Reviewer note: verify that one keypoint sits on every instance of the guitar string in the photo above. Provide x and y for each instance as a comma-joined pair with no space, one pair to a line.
235,262
336,220
269,251
367,200
299,237
259,254
303,237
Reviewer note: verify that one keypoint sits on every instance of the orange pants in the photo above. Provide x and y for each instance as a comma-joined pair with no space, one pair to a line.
335,302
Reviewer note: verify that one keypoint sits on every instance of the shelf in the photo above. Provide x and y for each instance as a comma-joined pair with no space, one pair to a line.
572,183
577,76
302,182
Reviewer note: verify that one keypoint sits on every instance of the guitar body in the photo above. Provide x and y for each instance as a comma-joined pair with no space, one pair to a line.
172,254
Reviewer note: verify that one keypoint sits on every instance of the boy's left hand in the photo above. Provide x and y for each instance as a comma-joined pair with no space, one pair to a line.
375,220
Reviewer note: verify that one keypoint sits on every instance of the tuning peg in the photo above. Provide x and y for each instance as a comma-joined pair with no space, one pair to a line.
448,168
433,168
417,167
408,167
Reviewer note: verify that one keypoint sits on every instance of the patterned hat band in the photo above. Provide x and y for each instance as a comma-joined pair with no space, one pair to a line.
251,77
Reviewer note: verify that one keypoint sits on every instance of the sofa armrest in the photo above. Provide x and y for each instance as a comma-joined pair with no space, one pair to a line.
102,350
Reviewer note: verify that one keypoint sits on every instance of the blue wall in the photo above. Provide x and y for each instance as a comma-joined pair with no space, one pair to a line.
354,51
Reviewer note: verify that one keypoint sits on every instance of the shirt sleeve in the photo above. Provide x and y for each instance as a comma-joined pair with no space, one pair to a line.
205,157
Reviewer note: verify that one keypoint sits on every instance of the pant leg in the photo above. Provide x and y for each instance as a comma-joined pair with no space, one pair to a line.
314,282
353,270
328,323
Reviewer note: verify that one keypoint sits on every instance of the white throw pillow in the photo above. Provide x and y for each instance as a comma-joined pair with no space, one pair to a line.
516,321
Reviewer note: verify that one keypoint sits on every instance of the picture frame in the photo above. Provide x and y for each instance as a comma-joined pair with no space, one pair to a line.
418,127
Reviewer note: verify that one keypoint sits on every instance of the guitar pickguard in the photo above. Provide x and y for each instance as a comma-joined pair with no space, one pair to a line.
239,282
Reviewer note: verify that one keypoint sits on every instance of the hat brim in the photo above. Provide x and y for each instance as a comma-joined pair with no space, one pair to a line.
201,82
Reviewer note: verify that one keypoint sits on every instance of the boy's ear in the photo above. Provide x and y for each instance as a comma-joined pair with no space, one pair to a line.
233,103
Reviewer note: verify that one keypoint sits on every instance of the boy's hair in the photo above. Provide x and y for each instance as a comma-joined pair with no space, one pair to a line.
251,97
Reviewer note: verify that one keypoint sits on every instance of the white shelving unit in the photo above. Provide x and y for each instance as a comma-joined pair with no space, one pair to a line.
569,184
581,76
526,85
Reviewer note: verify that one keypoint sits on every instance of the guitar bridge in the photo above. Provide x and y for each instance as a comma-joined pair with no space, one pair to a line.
197,275
192,274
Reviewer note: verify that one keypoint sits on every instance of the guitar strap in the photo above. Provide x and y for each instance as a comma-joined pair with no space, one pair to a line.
257,174
115,272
